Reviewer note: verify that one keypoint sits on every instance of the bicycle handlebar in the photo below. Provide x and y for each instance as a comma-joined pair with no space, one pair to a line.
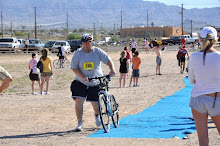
99,78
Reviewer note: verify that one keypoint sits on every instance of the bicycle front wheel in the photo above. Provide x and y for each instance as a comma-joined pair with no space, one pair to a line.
115,114
56,63
104,114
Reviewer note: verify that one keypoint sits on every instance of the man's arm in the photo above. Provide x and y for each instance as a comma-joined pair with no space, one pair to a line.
79,74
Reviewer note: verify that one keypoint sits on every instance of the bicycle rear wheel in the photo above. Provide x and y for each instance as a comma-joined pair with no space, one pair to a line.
104,114
56,63
66,63
115,114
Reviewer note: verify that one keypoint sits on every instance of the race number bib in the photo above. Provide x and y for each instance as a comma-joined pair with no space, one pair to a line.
88,66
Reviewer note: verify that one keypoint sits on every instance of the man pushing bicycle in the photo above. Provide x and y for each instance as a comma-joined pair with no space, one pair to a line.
86,63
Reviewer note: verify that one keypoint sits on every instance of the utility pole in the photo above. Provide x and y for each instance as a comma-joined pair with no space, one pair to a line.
147,17
2,24
182,18
94,29
191,26
121,19
114,27
67,23
101,31
35,22
11,29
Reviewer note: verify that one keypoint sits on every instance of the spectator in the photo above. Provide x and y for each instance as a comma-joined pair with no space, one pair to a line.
123,68
136,60
204,73
47,71
34,73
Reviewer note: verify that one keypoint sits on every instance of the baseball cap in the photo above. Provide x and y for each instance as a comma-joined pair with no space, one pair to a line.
208,30
86,38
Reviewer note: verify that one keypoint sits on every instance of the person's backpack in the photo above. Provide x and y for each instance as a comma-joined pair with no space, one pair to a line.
40,65
181,54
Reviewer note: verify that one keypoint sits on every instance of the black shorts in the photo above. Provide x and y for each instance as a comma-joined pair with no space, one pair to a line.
79,90
183,59
133,50
34,77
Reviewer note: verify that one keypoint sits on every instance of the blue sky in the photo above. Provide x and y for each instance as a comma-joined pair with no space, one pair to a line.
189,4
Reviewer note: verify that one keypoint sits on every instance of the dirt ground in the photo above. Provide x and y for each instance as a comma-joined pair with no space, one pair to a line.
50,119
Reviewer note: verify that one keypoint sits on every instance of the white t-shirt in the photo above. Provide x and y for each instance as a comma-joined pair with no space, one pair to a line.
207,76
133,44
63,50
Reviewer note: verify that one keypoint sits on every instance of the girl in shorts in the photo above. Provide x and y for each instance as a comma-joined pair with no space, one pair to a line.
204,73
34,73
47,71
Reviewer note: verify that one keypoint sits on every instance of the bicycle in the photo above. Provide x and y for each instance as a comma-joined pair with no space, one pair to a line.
107,104
57,63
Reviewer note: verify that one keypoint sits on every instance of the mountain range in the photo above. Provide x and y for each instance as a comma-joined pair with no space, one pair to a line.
103,14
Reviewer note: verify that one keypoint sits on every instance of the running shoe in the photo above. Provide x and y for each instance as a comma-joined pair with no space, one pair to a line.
79,128
137,85
34,93
134,85
48,93
97,120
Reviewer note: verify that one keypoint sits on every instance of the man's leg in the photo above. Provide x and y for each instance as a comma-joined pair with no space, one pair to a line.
183,63
5,84
95,106
79,108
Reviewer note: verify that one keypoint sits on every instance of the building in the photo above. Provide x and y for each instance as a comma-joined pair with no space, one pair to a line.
147,32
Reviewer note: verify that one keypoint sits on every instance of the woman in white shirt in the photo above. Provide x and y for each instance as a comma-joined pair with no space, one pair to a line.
204,73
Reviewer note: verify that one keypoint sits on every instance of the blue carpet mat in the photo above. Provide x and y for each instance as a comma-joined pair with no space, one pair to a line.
169,117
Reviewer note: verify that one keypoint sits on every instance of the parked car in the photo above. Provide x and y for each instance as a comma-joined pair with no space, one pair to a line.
49,44
34,43
74,44
22,43
99,43
173,40
58,44
9,42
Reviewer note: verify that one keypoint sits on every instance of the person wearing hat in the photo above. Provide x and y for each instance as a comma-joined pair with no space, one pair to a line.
86,63
204,73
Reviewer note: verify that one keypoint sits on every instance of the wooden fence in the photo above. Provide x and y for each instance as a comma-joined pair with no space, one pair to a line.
24,50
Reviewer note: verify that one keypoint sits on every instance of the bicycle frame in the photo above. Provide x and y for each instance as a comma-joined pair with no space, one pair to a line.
103,86
107,100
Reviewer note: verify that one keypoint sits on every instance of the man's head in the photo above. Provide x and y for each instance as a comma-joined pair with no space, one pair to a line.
86,38
86,41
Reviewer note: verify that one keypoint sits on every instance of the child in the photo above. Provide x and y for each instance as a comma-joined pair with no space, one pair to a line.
136,60
123,67
34,73
157,50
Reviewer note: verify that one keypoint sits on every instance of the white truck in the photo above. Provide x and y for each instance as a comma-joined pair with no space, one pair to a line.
9,42
189,39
